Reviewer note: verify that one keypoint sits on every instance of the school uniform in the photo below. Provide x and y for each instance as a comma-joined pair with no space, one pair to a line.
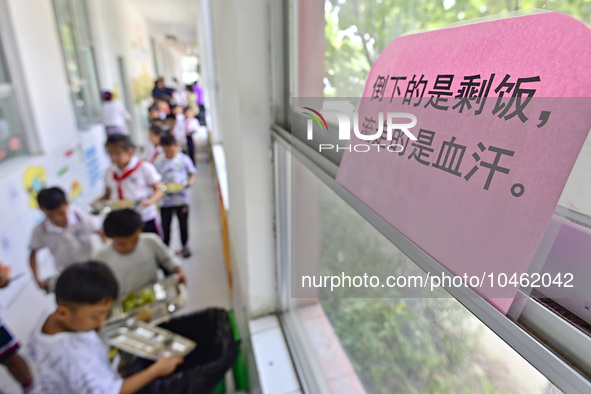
70,244
151,152
114,116
71,362
175,170
135,182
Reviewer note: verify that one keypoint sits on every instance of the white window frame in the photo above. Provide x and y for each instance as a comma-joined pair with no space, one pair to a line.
87,112
16,87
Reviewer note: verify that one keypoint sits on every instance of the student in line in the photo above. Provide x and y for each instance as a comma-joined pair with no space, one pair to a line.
114,114
178,170
68,354
152,148
132,179
135,257
66,231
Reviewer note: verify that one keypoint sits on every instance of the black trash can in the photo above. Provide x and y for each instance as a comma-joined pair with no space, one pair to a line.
203,368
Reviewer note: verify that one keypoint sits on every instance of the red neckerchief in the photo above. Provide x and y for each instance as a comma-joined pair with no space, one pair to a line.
154,156
126,174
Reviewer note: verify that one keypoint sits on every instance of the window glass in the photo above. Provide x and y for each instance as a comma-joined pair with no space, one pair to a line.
189,67
357,31
73,26
12,136
403,341
12,133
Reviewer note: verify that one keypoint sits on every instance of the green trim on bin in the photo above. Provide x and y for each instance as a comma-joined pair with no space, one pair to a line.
240,372
239,369
220,388
235,329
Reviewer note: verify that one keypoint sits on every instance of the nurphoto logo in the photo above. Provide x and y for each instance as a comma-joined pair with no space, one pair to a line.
402,121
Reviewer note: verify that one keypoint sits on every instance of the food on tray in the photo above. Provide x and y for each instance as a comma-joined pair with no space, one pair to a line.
144,314
130,343
133,300
146,341
105,206
121,204
174,187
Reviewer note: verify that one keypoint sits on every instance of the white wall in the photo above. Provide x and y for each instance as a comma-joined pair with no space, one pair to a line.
168,57
241,47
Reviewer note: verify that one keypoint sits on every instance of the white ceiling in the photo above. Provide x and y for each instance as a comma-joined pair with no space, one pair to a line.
172,17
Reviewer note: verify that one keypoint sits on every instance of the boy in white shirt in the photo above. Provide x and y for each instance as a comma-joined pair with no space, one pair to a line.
66,231
114,114
175,168
135,257
130,178
68,354
176,129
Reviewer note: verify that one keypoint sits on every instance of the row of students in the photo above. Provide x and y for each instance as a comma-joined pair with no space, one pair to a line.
67,232
179,122
133,254
131,178
133,258
65,351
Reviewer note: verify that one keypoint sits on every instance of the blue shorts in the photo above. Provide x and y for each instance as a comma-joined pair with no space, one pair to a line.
8,345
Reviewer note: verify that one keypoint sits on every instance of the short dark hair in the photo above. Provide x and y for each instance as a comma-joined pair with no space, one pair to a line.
155,129
107,96
122,223
120,140
168,140
156,122
188,107
86,283
171,116
51,198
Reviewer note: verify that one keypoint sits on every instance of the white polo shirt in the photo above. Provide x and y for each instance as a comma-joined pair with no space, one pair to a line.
151,152
70,244
137,185
71,363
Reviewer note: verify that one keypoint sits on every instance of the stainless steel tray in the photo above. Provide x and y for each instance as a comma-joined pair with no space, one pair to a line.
103,207
169,297
146,341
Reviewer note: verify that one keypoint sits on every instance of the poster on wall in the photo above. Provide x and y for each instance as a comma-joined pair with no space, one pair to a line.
466,137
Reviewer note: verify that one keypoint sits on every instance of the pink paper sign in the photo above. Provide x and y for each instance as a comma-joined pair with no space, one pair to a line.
502,112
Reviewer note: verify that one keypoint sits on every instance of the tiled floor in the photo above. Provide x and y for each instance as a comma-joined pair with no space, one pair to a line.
206,269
